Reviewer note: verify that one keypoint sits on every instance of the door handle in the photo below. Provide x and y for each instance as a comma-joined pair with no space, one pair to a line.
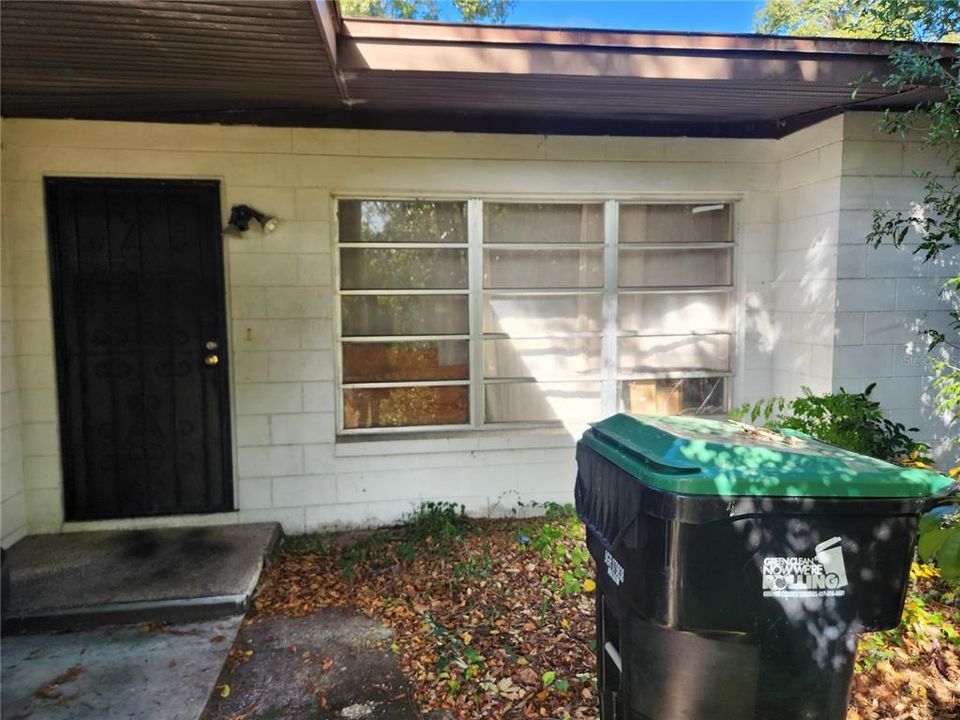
211,360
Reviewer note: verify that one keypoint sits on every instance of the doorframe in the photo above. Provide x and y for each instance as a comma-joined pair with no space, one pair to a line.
227,400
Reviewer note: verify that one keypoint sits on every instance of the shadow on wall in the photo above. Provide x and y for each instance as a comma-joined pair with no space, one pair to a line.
821,299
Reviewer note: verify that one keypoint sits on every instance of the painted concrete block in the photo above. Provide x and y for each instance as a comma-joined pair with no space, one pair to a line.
255,493
273,461
263,398
864,361
252,430
303,490
301,428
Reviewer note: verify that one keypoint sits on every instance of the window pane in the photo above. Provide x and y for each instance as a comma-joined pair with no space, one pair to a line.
644,354
531,316
674,223
402,221
542,223
543,268
540,402
659,268
686,396
542,358
404,361
404,315
403,268
680,313
406,406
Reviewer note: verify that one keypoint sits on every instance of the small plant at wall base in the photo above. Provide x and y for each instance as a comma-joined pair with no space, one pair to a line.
433,528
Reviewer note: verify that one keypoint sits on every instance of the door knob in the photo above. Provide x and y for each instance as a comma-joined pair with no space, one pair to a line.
211,360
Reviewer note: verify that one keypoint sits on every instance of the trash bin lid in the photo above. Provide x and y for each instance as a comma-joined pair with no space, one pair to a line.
712,457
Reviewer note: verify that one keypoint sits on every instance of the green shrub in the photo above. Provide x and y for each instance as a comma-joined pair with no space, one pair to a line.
855,422
849,420
940,541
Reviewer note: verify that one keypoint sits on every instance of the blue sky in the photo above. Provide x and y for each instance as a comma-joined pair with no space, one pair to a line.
693,15
690,15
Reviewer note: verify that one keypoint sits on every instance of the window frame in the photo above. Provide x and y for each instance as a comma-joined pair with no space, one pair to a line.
610,335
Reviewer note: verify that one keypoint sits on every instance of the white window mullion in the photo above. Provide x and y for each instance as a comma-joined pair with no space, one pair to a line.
337,320
475,284
611,230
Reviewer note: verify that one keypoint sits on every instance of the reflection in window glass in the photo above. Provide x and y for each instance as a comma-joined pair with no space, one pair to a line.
674,313
406,406
405,361
543,358
377,315
679,352
406,221
403,268
670,332
411,273
542,402
542,223
674,268
675,223
545,332
680,396
542,315
535,315
557,268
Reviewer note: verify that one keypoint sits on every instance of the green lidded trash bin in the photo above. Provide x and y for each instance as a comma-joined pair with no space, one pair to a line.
736,567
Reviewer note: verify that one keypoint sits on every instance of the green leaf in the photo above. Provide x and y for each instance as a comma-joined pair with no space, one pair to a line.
929,522
948,556
931,543
548,678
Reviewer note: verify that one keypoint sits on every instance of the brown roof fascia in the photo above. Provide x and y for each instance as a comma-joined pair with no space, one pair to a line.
326,13
459,33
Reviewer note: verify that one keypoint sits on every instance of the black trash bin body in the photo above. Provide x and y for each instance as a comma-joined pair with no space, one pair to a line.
736,569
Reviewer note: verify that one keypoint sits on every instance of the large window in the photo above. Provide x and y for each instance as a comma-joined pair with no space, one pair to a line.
473,314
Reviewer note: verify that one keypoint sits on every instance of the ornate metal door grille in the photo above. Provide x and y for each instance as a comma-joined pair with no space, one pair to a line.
139,316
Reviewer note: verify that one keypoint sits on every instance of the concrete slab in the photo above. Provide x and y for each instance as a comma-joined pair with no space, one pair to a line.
333,665
162,673
170,575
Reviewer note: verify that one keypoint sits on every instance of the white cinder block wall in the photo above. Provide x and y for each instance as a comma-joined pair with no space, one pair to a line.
803,329
288,466
886,296
13,508
280,287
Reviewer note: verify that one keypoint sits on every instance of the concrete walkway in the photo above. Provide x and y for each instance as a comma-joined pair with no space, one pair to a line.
333,665
161,673
91,579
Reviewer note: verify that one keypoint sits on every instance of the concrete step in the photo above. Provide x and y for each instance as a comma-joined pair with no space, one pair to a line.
91,579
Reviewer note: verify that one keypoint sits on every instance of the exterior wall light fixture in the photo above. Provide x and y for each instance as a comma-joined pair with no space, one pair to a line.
241,215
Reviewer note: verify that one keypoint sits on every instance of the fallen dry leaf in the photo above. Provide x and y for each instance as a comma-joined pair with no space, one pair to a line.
475,630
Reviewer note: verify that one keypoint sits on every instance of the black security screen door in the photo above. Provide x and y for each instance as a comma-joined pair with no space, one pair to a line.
138,294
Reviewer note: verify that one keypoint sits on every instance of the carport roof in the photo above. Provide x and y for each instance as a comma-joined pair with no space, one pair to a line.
297,62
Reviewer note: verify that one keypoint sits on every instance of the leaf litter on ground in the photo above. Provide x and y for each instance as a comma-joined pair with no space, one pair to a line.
495,618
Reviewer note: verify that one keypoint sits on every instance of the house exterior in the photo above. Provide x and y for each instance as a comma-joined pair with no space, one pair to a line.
441,308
